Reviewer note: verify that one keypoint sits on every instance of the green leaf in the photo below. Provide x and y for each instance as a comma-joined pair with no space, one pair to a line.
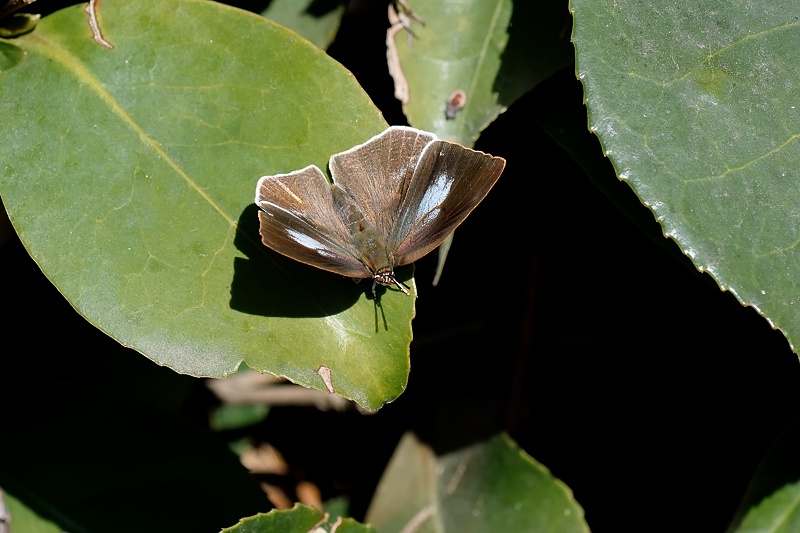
772,501
17,24
694,106
25,519
567,127
492,50
130,174
298,519
488,52
777,513
489,486
317,21
230,417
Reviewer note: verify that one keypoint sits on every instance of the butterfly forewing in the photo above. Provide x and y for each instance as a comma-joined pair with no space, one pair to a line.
377,174
299,220
449,181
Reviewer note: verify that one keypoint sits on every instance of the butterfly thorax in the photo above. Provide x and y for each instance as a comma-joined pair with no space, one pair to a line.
373,249
370,243
376,258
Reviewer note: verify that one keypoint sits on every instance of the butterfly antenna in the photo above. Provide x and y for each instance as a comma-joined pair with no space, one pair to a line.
402,286
399,284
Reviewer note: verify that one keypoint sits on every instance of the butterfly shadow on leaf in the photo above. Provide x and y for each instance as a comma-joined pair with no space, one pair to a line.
268,284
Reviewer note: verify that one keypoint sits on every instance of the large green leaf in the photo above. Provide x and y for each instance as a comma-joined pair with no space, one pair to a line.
488,486
130,173
492,50
697,107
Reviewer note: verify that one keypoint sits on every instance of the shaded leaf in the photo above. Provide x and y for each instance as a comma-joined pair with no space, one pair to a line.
315,20
777,513
771,501
17,24
693,107
492,50
229,417
470,61
129,175
489,486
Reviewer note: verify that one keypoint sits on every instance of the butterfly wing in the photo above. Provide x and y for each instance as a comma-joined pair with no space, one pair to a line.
299,220
377,174
449,181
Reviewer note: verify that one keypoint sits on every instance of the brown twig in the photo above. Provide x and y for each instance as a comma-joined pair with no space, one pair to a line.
91,10
393,57
255,388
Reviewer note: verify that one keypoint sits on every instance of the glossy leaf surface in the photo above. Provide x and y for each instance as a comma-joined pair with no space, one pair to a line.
696,107
130,173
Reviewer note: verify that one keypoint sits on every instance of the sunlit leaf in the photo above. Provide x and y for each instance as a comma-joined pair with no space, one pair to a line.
130,174
298,519
696,107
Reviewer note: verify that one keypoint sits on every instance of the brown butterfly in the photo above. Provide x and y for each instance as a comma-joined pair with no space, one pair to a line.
393,199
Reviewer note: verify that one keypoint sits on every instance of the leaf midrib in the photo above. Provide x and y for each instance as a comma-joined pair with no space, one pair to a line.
74,65
478,71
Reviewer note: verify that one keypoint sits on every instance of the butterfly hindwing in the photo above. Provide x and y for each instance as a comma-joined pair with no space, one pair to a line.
299,220
447,184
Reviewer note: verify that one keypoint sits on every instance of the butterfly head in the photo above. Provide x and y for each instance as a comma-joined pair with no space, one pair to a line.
385,276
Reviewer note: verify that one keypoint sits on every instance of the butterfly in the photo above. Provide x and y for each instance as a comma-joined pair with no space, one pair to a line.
393,199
